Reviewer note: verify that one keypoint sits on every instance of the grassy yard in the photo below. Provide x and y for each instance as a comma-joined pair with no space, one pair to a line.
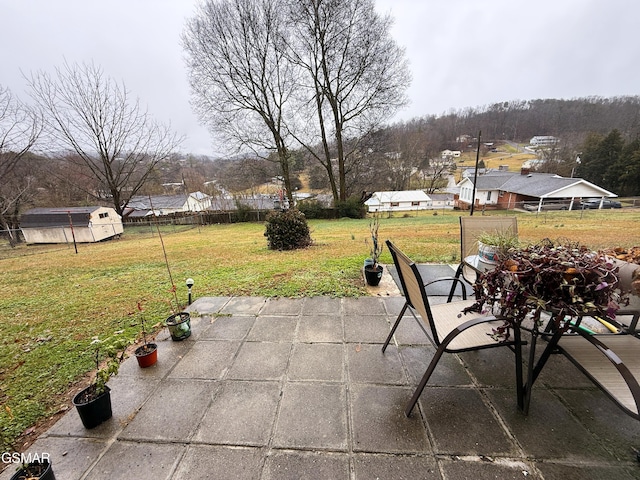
55,300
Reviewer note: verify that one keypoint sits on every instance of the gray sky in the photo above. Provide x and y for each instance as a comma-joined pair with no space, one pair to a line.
463,53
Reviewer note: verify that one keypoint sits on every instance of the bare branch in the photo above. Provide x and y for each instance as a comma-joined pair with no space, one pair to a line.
92,115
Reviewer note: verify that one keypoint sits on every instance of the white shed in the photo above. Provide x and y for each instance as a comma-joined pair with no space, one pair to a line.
66,224
405,200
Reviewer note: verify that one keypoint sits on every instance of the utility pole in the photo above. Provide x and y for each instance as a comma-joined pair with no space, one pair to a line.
475,175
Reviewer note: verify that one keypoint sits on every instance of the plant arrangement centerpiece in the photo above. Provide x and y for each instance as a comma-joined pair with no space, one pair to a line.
372,269
566,279
94,402
492,246
147,353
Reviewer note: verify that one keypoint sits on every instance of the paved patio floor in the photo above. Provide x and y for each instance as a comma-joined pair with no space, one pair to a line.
299,388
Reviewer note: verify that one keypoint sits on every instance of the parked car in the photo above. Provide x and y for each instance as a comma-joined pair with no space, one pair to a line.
594,203
533,207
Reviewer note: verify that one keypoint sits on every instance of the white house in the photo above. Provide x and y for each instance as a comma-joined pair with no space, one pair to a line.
69,224
442,200
168,204
450,153
399,201
540,140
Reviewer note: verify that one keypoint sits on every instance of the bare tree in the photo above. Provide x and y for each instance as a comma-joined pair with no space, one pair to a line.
357,75
116,141
240,79
20,127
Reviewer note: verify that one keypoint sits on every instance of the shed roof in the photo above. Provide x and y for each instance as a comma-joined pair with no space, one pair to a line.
52,217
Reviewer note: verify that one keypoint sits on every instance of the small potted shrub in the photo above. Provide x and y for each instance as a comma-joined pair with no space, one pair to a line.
94,402
372,269
492,246
41,470
147,353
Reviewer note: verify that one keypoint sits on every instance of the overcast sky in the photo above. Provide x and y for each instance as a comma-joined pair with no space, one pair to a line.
463,53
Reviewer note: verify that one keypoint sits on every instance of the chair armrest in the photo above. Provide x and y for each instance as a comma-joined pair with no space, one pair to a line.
454,281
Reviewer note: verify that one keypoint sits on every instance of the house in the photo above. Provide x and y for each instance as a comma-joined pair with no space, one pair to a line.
509,190
159,205
405,200
70,224
450,153
442,200
542,140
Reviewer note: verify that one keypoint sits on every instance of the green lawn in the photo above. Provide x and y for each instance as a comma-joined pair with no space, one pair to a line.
55,300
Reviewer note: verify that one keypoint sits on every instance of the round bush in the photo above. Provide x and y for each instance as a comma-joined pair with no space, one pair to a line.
287,230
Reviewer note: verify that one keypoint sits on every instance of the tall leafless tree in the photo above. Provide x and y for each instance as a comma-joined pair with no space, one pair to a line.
241,81
116,142
357,74
20,127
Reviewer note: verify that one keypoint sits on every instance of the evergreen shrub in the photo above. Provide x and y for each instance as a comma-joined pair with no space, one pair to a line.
352,207
287,230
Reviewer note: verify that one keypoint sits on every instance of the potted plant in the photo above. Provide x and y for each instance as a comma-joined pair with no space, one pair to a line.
496,244
41,470
93,403
147,353
179,325
372,269
567,279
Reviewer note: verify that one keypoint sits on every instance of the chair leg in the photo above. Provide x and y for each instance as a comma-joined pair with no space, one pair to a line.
520,389
395,325
424,380
455,284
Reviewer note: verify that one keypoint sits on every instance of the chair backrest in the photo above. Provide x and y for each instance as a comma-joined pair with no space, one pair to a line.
413,286
471,227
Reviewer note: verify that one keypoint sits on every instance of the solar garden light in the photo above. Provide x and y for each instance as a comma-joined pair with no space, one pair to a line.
189,283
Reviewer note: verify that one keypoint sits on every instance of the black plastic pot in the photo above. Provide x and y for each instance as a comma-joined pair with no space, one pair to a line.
95,411
47,473
373,275
179,326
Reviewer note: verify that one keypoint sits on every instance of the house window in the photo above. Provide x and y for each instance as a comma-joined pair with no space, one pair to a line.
415,204
501,193
395,204
488,196
104,215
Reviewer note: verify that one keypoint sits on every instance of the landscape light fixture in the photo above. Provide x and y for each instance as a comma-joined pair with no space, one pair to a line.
189,283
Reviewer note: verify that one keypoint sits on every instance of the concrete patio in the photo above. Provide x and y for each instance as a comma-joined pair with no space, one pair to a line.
299,388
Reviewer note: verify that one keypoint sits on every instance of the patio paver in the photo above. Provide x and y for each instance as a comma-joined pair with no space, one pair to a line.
299,388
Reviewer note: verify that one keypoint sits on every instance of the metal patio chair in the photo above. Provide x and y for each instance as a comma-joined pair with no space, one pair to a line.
470,228
447,328
611,362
